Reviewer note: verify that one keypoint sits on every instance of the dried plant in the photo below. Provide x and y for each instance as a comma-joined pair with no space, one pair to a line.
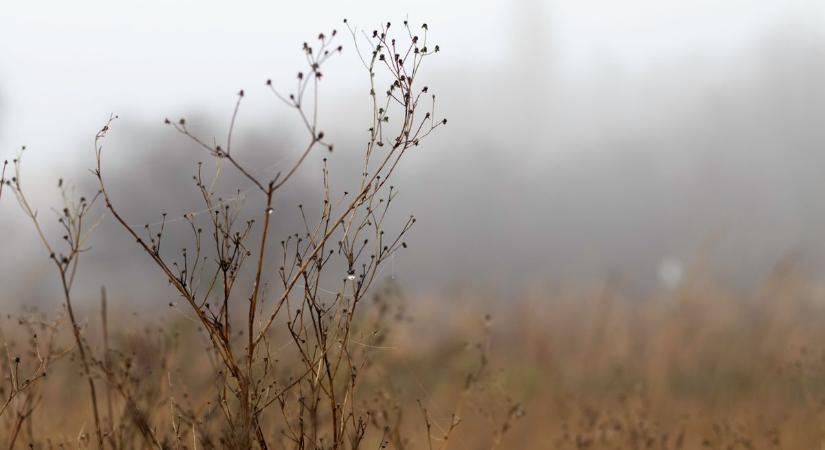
76,226
23,371
290,347
318,403
3,181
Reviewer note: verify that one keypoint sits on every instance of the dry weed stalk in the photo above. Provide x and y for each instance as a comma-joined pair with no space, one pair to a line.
75,225
3,181
231,265
22,374
318,403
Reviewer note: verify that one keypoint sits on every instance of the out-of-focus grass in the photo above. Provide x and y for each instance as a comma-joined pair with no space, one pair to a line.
702,366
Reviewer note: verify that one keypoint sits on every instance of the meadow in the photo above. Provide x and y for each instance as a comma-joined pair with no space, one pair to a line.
301,340
703,366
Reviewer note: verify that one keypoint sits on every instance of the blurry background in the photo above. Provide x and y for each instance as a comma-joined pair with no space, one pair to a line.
587,139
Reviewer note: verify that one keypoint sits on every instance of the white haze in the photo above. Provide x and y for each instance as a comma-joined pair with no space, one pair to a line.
586,137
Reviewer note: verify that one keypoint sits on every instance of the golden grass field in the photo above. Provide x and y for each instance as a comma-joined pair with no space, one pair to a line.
703,366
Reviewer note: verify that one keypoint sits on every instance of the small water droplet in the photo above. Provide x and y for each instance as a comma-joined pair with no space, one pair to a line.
270,211
351,277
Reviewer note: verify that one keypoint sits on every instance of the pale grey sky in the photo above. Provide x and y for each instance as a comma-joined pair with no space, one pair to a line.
65,65
619,133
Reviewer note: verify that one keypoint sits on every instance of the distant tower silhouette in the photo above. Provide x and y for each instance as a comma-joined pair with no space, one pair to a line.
533,59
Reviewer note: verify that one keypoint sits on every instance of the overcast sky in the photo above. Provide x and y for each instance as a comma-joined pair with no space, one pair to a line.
65,65
619,134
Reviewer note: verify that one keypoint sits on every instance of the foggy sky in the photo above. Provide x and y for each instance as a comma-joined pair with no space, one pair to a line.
586,138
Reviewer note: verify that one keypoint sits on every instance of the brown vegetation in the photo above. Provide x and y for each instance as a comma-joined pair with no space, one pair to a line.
299,342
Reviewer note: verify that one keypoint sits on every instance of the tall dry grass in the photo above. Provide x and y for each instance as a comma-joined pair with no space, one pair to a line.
705,366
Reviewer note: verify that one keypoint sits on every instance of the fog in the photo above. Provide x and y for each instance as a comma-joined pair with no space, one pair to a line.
587,139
